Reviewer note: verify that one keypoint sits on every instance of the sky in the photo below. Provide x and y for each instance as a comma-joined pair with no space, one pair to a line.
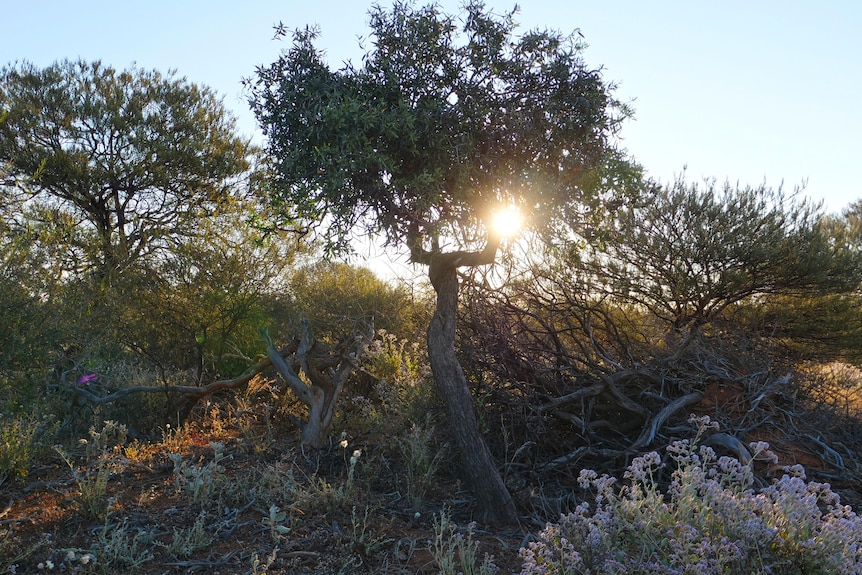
750,92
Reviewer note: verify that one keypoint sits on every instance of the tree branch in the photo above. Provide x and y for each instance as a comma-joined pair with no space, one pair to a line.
189,390
297,386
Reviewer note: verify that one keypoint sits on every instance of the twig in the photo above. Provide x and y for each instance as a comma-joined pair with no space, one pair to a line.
831,455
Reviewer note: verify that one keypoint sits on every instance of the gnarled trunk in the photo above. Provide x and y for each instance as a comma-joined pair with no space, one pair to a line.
326,371
495,504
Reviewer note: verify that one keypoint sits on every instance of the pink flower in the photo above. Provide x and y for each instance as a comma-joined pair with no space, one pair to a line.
85,379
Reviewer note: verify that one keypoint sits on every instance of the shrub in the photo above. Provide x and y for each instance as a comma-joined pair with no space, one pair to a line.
104,458
456,552
710,520
23,439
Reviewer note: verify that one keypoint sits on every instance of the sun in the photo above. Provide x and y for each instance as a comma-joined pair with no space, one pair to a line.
507,221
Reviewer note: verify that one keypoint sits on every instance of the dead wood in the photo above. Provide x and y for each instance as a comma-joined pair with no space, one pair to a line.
648,434
191,392
326,372
731,444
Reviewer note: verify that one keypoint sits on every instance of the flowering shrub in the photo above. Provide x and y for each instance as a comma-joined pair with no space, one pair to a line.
711,520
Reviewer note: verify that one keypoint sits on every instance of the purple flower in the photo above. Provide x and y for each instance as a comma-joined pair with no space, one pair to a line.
89,378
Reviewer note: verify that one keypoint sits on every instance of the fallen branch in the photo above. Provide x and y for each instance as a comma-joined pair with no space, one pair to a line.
730,443
647,436
593,390
190,391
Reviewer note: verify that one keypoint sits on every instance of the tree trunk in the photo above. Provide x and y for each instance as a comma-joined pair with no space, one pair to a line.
495,504
326,371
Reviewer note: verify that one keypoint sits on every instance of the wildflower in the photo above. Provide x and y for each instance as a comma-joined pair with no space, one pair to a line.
642,468
586,478
87,379
703,422
761,449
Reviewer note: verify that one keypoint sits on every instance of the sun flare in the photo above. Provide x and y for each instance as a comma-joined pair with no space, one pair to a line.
507,221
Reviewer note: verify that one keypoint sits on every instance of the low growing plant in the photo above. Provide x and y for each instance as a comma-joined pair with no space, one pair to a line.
186,541
200,481
711,520
118,548
363,539
103,458
318,494
422,461
275,520
455,552
23,439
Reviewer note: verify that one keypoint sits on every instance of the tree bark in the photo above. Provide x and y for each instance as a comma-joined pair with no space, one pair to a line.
326,371
495,504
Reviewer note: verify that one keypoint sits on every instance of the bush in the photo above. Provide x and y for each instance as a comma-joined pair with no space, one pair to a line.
24,438
711,520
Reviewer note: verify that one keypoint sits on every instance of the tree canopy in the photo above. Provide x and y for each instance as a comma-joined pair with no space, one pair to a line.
124,159
445,120
685,252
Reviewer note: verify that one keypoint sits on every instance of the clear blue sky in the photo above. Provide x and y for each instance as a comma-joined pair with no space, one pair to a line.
748,91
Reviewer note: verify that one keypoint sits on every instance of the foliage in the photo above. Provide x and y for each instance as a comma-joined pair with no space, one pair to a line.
185,542
846,228
456,552
200,308
686,252
24,439
140,262
201,481
333,296
574,378
29,288
422,461
826,326
117,547
103,459
447,118
400,375
124,239
710,520
129,160
274,521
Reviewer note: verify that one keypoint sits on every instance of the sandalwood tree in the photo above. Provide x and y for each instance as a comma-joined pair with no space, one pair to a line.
447,118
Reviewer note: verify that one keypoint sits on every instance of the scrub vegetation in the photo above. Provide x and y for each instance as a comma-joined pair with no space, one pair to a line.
195,376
